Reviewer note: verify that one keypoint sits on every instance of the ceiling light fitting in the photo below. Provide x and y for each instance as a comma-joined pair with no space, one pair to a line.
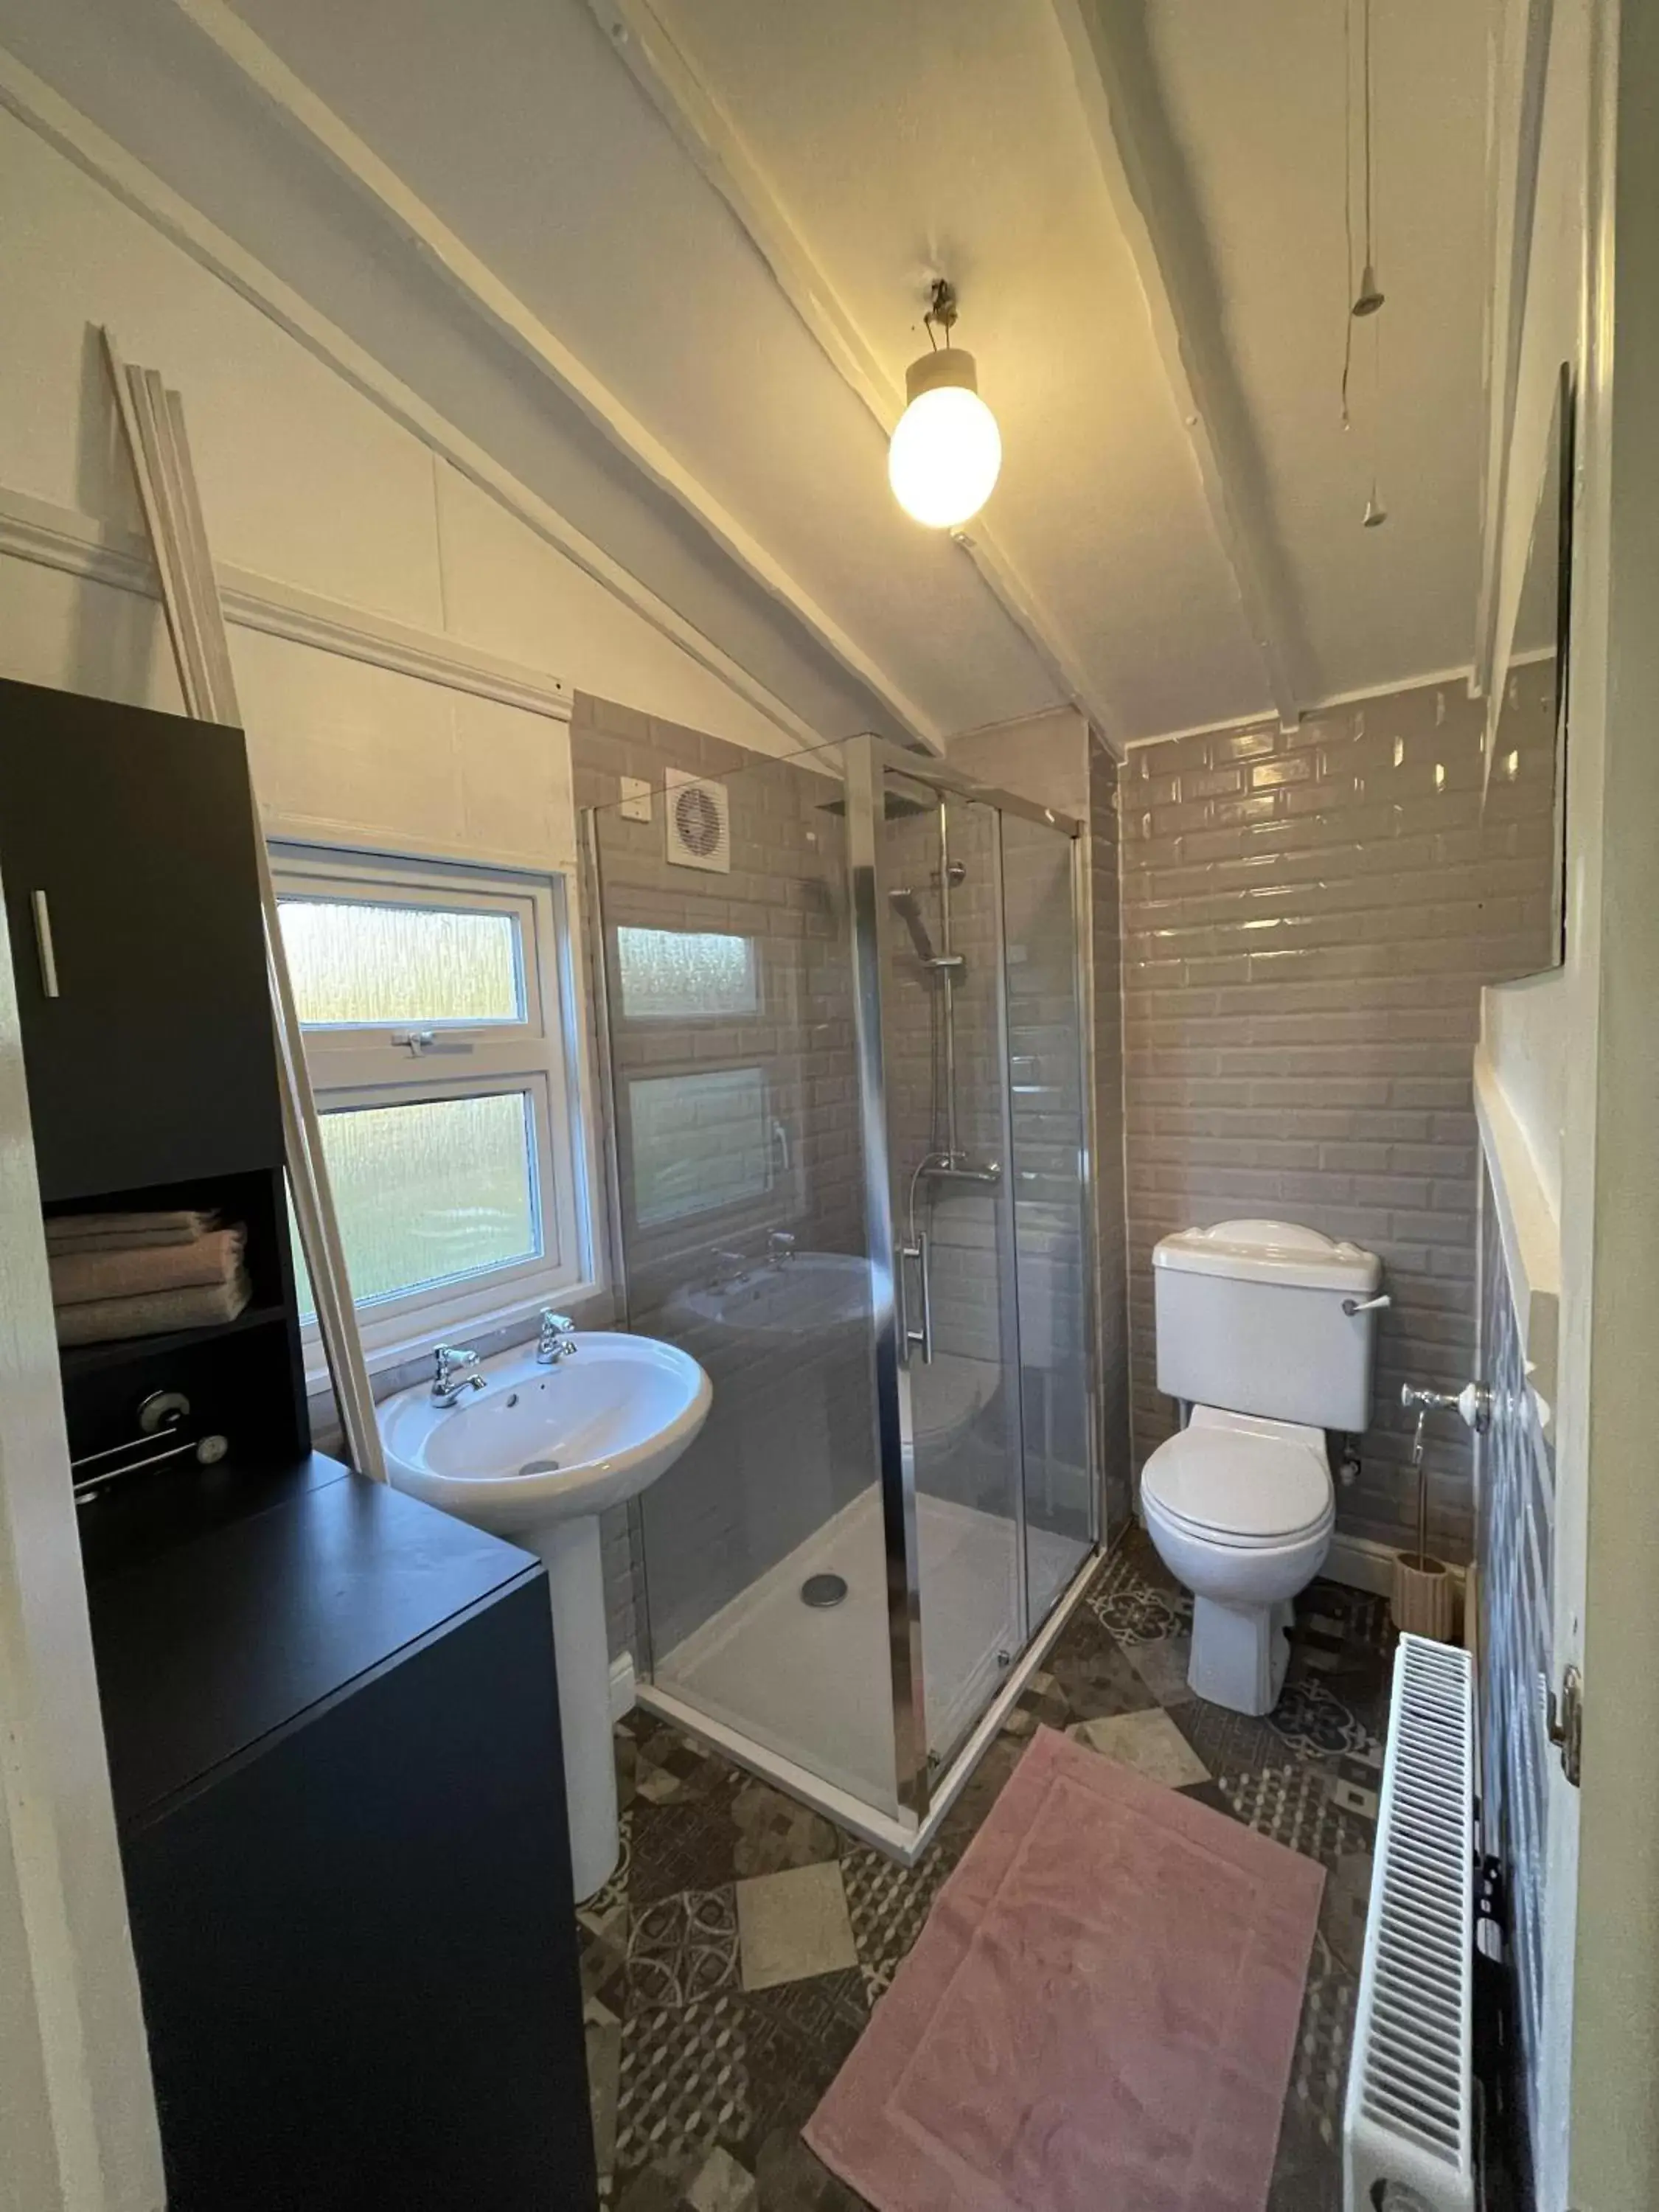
946,451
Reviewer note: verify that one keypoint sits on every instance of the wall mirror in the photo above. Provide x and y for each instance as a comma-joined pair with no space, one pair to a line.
1524,809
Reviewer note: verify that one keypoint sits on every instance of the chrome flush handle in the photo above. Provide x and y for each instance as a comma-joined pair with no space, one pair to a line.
1352,1306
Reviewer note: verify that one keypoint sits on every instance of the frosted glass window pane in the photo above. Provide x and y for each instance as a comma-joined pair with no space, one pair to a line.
430,1191
685,973
699,1142
353,962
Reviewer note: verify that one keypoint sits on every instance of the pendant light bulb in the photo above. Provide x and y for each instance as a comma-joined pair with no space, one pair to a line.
946,451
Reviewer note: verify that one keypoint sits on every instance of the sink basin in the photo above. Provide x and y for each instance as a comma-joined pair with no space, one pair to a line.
537,1455
812,1294
541,1445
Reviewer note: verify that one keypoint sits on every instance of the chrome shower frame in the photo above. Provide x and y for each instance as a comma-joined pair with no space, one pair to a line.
923,1795
867,760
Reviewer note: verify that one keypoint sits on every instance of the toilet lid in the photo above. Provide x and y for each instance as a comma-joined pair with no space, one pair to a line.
1238,1485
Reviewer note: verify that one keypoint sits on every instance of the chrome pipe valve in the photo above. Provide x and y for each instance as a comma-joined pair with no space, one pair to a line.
1473,1402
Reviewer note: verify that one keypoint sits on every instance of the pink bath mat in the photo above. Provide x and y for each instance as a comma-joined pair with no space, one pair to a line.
1099,2016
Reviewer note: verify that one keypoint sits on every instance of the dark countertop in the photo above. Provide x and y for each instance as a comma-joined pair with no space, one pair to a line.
227,1602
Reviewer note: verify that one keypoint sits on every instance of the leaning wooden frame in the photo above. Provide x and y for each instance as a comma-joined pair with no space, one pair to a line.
153,420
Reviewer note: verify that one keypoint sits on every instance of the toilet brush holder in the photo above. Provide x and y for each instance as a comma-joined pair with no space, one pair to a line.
1424,1598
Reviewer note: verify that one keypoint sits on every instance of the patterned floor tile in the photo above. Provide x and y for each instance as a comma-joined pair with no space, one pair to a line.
702,2091
602,2033
683,1947
1091,1677
791,2179
669,1767
1294,1805
685,2082
794,1924
1312,1719
774,1832
888,1906
688,1843
1228,1742
799,2036
1324,2036
602,1947
1149,1741
1342,1913
1163,1666
978,1794
1136,1610
721,2185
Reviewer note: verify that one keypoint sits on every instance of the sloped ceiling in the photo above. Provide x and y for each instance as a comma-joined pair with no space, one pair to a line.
682,251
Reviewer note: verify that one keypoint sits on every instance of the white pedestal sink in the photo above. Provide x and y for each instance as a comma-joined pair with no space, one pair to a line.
537,1455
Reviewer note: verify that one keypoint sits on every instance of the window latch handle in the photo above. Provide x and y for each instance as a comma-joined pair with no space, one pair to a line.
416,1042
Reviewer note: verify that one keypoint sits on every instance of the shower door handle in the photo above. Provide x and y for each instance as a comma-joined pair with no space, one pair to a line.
924,1335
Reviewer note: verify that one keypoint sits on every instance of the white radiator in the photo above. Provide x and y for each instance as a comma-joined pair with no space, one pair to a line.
1407,2131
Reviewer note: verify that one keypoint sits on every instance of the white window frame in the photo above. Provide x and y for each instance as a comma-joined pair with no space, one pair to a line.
374,1064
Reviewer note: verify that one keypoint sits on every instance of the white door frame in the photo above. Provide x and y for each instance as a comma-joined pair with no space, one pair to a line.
1602,1954
79,2113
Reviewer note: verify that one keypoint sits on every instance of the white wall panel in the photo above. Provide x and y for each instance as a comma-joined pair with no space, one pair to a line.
301,477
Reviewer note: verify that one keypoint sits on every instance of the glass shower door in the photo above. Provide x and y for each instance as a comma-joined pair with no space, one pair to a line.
739,1187
1047,1157
944,1052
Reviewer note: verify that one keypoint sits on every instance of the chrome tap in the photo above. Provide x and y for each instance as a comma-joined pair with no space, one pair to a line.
730,1268
454,1372
780,1246
557,1340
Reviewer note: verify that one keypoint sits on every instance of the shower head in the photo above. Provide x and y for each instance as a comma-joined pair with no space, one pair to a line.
904,903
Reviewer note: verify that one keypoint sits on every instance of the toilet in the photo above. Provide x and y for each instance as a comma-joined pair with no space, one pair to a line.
1266,1330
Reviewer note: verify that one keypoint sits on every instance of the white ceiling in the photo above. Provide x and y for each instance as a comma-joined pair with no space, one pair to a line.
713,442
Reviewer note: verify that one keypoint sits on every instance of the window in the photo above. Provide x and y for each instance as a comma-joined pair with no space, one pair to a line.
686,974
698,1142
434,1004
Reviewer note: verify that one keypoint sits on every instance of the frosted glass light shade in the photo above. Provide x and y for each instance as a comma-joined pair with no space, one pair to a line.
946,451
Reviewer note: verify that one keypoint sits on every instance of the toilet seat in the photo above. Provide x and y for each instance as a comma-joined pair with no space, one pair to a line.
1242,1482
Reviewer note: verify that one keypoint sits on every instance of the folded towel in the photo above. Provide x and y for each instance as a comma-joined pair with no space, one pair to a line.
79,1276
100,1321
127,1233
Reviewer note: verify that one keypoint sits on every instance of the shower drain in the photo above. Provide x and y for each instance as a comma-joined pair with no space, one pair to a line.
824,1590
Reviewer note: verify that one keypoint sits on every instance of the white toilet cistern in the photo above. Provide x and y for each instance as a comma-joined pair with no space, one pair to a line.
1266,1329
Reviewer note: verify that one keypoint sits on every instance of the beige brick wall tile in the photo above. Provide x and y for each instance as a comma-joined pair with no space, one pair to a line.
1308,920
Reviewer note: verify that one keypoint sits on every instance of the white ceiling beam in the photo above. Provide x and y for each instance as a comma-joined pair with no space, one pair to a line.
495,301
79,140
1146,183
694,113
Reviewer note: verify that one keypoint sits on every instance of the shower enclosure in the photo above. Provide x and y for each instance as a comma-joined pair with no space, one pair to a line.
842,1004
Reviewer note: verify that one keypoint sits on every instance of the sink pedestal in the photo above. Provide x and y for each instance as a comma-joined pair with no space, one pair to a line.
575,1578
537,1454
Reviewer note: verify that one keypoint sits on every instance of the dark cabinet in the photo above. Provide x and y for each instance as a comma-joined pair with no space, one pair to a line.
127,848
331,1712
346,1860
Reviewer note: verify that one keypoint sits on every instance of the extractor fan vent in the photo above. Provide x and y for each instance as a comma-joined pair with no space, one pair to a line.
699,823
